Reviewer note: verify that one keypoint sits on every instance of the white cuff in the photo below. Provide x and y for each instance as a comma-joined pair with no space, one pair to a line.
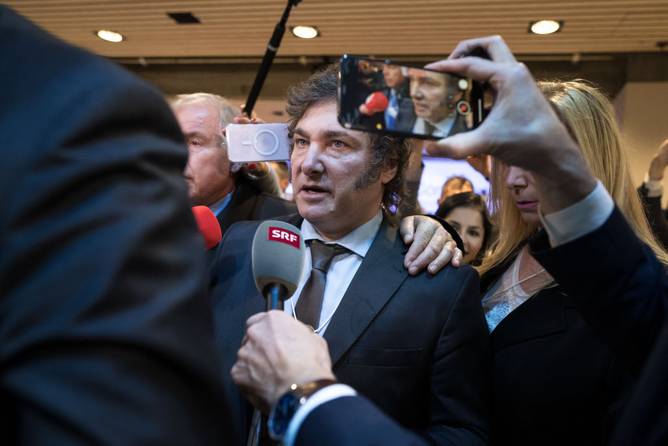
654,187
579,219
322,396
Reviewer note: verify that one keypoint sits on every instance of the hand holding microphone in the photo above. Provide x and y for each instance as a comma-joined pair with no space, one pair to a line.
278,351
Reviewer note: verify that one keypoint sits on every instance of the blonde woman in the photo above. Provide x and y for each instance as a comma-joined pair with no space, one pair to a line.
556,381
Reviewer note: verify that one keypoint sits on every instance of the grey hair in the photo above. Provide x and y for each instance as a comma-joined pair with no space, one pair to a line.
226,111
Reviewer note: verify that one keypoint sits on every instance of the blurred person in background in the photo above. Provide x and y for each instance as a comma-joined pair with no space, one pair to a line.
455,185
231,193
651,192
556,380
467,214
282,172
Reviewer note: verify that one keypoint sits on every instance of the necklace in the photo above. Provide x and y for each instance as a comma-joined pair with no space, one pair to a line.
515,275
320,326
530,276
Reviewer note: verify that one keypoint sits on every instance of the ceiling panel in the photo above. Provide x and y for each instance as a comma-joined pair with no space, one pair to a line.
232,28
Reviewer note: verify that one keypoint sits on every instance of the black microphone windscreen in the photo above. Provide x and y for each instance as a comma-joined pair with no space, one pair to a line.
278,255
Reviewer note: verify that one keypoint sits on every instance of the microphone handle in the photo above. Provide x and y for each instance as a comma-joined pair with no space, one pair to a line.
275,294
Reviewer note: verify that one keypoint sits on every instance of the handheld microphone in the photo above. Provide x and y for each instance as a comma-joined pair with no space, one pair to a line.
208,226
278,261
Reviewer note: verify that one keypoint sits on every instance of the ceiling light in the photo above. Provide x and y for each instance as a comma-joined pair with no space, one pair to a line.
545,26
109,36
305,32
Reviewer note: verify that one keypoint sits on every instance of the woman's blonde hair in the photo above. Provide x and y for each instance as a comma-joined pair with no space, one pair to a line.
590,119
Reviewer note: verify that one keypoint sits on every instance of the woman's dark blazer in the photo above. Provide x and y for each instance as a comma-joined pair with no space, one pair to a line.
555,381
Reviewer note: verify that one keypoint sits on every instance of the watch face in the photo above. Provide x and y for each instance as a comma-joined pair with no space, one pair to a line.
280,416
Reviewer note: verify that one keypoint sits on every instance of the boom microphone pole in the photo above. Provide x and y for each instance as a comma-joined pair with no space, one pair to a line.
268,59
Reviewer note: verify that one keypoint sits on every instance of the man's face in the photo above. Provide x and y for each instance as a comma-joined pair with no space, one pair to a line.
393,76
428,91
329,172
208,170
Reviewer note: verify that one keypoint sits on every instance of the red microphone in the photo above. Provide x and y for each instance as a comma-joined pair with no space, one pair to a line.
208,226
376,102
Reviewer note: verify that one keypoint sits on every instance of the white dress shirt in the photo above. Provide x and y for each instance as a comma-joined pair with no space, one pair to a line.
654,187
221,204
562,227
342,269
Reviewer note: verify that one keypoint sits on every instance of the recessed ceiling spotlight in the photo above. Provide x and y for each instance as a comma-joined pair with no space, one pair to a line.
545,26
109,36
305,32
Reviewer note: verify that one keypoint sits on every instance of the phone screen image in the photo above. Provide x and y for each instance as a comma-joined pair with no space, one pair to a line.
384,97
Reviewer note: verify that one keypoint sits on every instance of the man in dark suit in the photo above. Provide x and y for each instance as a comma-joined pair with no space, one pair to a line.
212,180
620,287
106,333
399,114
416,346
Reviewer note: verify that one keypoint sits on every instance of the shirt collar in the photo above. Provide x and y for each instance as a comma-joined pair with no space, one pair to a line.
359,240
221,204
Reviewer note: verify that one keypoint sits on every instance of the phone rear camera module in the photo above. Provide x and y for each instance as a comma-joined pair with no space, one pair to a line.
266,142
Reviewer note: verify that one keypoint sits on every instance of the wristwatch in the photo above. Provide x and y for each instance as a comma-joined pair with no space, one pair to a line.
285,408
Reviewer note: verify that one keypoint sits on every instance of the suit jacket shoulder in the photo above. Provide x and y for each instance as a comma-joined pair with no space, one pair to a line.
621,289
353,420
415,346
101,267
249,203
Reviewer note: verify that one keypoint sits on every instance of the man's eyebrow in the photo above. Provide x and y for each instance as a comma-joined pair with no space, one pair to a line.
339,134
300,131
194,134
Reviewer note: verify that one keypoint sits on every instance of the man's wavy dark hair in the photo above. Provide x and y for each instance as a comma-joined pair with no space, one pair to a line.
386,151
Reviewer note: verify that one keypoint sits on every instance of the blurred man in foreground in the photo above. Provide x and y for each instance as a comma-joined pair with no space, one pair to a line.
624,297
106,333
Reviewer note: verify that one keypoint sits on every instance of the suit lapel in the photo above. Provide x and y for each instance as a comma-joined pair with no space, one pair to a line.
376,280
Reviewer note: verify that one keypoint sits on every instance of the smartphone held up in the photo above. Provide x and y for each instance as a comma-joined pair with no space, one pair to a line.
248,143
383,97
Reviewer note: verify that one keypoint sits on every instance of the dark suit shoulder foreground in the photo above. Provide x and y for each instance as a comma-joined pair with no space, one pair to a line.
106,332
619,287
415,346
621,290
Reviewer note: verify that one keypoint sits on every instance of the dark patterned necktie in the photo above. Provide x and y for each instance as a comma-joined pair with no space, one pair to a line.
309,304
